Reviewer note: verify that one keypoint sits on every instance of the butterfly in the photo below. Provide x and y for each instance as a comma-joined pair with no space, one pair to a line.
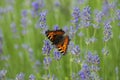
58,39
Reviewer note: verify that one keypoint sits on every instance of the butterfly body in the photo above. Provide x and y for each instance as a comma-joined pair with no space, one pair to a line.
58,39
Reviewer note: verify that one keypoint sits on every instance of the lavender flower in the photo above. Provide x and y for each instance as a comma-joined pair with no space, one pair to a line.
31,54
6,9
81,34
46,48
118,14
43,17
24,13
66,29
113,4
4,57
32,77
37,5
2,74
56,27
84,73
47,61
86,17
42,21
57,3
24,19
107,32
57,55
89,57
76,15
105,51
20,76
75,50
36,66
94,68
72,32
13,27
25,46
98,16
94,59
93,39
106,8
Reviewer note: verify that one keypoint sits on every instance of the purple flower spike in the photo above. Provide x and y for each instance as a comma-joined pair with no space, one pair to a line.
35,6
56,27
93,59
32,77
76,15
98,16
86,17
96,59
46,48
57,55
85,72
107,32
2,74
76,50
20,76
47,61
42,20
118,14
24,13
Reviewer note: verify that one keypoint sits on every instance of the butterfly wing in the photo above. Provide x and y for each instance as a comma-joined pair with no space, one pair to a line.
55,36
63,45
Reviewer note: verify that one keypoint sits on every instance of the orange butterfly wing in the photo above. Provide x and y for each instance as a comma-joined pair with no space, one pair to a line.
62,46
53,34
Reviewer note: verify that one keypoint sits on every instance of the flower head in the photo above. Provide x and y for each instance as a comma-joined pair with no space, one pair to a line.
42,21
86,17
56,27
107,32
47,61
24,13
85,72
20,76
57,55
98,16
47,47
76,50
76,15
2,74
32,77
37,5
93,59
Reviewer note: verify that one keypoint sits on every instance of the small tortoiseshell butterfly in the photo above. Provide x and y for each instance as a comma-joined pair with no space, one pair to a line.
58,39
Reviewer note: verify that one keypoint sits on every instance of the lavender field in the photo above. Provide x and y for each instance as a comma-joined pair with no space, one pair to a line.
93,27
